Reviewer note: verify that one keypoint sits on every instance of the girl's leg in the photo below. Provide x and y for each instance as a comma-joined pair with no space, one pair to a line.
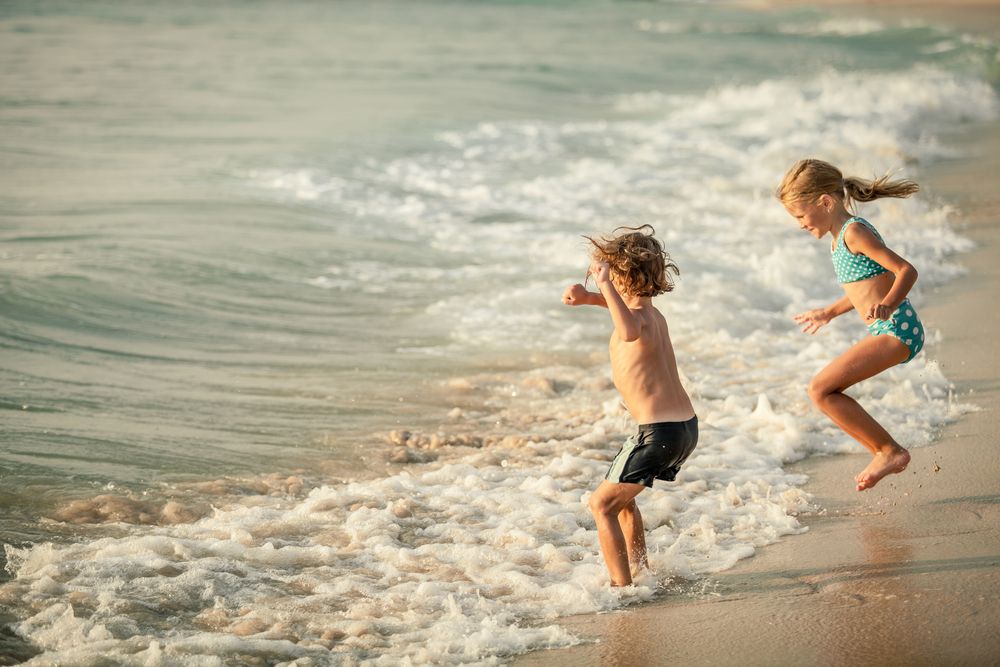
607,503
630,521
866,359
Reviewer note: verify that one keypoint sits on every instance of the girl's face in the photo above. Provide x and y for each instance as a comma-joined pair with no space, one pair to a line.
814,217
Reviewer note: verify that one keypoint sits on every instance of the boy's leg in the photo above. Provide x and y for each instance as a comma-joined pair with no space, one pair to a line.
866,359
607,503
630,521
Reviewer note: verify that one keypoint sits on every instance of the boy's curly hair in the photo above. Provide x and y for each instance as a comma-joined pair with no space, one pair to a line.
637,258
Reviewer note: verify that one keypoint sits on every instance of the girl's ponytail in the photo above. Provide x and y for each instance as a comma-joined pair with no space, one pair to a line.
808,180
856,189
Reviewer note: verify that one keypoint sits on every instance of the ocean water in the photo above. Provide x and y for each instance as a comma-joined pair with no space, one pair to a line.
284,371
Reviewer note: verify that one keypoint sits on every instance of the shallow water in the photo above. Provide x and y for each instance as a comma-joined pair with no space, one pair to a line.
284,357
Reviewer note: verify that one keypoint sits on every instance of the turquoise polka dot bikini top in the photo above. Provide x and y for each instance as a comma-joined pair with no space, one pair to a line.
851,268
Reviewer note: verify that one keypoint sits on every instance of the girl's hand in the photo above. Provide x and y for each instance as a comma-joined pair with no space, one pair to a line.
877,311
575,295
813,319
601,271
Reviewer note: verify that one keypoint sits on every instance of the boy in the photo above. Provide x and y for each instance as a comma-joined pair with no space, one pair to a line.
629,270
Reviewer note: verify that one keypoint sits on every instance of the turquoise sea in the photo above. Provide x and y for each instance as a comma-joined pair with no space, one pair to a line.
284,372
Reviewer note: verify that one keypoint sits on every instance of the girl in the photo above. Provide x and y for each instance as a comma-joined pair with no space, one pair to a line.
876,281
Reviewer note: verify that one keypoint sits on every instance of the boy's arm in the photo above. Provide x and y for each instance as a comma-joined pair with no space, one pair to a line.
578,295
626,325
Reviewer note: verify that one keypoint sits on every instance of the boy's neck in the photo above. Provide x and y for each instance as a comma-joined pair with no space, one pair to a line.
634,302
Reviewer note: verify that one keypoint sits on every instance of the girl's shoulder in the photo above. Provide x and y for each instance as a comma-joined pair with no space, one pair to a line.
859,231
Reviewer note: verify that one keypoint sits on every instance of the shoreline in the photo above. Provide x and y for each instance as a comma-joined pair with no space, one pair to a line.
906,573
979,17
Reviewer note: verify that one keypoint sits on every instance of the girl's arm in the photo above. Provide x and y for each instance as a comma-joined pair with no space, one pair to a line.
860,239
814,319
578,295
626,325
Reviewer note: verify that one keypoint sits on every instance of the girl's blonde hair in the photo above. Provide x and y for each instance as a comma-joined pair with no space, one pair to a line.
637,258
808,180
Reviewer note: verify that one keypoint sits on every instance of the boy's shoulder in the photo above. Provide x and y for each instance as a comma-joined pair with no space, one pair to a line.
649,312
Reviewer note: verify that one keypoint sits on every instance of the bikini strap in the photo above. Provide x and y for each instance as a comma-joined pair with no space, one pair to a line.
840,238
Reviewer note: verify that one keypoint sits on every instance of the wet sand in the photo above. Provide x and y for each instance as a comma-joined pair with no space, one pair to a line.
905,574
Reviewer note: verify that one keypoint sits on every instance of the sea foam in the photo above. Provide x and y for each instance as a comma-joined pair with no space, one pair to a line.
458,565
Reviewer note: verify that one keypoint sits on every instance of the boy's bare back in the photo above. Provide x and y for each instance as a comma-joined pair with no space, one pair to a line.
642,358
645,369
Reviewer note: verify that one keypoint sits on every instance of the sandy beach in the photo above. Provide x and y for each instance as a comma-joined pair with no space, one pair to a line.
905,574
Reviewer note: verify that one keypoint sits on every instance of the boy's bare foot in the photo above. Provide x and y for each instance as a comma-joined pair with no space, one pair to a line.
882,465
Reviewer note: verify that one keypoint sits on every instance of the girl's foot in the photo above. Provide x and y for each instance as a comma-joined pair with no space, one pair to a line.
867,471
875,464
883,464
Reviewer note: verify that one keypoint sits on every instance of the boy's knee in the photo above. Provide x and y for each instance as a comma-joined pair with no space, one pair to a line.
600,504
629,514
595,504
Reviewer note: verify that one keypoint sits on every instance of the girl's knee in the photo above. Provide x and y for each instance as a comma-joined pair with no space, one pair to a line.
818,391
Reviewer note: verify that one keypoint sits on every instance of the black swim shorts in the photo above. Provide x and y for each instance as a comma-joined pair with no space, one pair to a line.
655,452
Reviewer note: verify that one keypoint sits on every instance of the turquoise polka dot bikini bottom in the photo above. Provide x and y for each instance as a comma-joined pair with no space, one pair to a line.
904,325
